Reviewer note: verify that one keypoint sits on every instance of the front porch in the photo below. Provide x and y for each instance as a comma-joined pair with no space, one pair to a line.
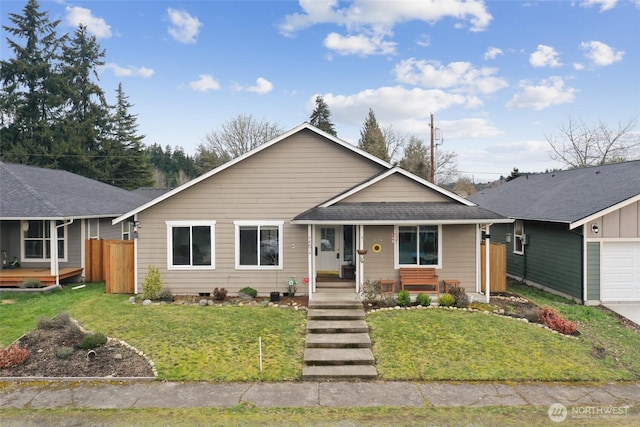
13,277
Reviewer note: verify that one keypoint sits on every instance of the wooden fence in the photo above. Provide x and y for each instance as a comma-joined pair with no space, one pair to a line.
110,261
498,266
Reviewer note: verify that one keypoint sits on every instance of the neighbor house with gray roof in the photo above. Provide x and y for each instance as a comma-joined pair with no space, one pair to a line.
37,203
576,232
306,205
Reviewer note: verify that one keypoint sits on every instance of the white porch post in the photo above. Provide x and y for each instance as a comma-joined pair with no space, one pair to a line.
53,248
311,275
487,263
360,275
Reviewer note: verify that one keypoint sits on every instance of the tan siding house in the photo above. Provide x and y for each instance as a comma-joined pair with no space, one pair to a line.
294,207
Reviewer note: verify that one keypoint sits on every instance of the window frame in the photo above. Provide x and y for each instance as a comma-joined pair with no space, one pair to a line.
91,233
261,223
183,224
44,239
126,230
396,246
518,237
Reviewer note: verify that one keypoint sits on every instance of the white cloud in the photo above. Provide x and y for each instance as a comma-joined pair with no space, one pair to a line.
604,4
601,54
129,71
471,128
204,83
261,87
551,91
97,26
492,53
457,75
544,56
424,41
361,45
184,27
578,66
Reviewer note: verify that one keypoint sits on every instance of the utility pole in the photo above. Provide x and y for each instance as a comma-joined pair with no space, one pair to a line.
433,163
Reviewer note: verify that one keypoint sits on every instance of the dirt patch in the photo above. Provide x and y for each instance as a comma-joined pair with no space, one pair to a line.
113,359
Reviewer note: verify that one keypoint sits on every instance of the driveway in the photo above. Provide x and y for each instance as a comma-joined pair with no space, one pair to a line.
630,310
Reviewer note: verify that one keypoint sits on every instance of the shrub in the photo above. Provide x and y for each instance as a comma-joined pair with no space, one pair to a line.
165,294
31,283
388,301
248,291
404,299
549,317
64,352
446,300
90,341
370,290
482,306
220,294
59,321
531,313
152,283
13,356
460,296
423,300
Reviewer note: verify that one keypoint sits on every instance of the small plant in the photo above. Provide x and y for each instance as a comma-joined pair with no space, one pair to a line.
446,300
549,317
31,284
248,291
481,306
460,296
13,356
152,283
292,286
423,300
64,352
59,321
532,314
219,294
370,291
404,299
388,301
165,294
90,341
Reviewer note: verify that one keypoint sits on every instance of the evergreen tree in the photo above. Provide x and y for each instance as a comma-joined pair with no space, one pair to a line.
371,138
415,158
126,161
30,100
321,117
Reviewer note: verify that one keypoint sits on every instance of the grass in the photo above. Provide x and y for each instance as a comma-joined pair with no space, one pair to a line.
221,343
249,415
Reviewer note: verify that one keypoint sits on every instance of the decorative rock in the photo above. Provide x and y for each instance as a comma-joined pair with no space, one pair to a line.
209,302
146,302
117,356
132,300
203,302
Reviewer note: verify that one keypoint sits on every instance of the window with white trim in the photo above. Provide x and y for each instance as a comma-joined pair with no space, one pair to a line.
418,246
518,237
126,230
94,228
36,241
259,244
191,245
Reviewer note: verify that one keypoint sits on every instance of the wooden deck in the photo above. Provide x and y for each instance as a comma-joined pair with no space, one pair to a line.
13,277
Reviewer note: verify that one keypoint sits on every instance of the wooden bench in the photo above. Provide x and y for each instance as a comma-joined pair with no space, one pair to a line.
419,277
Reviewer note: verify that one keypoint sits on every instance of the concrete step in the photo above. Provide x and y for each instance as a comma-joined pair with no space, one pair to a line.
360,340
336,304
338,356
335,314
339,373
336,326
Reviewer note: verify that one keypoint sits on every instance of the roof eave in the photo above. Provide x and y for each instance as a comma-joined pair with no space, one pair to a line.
408,222
603,212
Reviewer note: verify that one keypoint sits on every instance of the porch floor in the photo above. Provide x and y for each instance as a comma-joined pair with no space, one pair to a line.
14,276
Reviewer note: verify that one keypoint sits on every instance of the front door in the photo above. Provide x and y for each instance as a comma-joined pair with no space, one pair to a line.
328,245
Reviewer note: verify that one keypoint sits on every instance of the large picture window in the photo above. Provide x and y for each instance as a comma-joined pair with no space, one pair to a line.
190,245
418,246
258,245
36,241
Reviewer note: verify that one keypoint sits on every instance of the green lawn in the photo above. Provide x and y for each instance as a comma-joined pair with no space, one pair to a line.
221,343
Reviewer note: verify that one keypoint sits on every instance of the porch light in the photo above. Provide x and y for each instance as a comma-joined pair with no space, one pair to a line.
595,228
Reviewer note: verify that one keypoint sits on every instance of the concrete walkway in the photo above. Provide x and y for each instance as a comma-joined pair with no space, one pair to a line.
630,310
157,394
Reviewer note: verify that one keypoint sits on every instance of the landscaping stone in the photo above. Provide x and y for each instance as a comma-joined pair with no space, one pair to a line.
146,302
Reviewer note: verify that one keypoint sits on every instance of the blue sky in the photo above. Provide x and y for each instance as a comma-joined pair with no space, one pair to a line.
499,76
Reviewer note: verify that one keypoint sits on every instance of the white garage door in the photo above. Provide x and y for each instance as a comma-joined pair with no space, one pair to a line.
620,271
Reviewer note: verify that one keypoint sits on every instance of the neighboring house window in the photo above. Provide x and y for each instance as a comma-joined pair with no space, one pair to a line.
94,228
518,237
418,246
190,245
259,244
36,241
126,230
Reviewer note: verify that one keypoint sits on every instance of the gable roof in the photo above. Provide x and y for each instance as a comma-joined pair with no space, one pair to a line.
231,163
40,193
570,196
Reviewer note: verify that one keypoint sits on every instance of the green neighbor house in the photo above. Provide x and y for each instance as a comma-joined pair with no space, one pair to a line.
576,232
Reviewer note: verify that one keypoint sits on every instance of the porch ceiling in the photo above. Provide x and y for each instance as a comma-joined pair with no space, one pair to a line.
398,212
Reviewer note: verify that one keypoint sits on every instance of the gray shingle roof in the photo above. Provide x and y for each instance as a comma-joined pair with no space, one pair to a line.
33,192
396,212
564,196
